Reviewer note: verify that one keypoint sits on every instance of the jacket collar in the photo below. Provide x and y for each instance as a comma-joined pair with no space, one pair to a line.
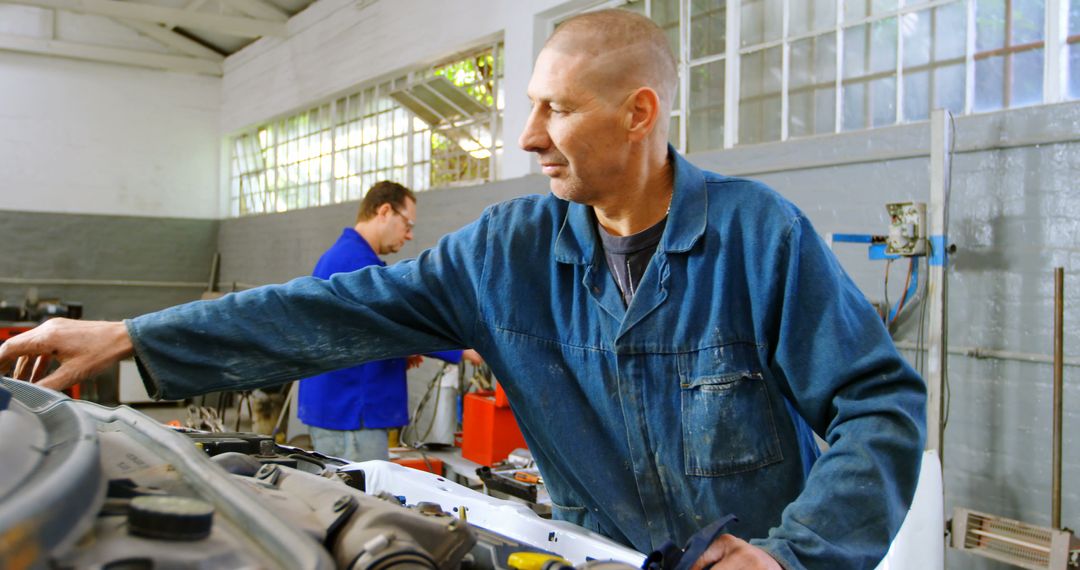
577,242
353,235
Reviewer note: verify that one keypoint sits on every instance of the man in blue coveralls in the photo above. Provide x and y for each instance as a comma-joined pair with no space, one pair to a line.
663,333
348,411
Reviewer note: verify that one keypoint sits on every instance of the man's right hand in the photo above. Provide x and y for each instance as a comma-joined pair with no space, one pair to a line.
83,349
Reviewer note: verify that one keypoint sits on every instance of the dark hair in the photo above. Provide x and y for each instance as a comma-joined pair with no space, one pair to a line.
384,192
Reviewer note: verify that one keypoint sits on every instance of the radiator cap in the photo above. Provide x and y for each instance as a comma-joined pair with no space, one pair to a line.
170,518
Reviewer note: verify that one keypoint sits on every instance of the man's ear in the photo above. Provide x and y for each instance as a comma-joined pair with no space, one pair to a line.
384,209
642,111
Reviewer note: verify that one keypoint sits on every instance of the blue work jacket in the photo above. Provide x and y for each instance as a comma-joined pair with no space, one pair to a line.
373,394
647,421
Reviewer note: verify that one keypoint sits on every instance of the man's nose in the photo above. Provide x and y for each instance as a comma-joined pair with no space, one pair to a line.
534,137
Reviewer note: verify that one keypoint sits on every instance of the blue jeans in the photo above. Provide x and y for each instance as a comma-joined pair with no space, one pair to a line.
354,445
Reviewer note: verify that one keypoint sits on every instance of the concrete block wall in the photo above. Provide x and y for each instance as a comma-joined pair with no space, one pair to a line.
117,266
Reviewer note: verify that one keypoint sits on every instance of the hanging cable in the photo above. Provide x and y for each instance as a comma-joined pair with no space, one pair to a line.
433,385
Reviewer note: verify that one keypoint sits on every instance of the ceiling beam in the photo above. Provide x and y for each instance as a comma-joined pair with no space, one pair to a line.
72,50
172,39
191,6
231,25
258,9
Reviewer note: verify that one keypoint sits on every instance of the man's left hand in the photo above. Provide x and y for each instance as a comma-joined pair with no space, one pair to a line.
730,553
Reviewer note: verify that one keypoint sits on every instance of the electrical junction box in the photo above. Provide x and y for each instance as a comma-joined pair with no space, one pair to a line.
907,228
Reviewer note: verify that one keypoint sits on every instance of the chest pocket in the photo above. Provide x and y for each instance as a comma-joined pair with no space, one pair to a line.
727,418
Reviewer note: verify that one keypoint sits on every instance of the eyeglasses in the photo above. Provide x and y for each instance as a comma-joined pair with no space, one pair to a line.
408,223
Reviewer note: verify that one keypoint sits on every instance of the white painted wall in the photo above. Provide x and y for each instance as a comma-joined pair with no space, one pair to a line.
337,45
95,138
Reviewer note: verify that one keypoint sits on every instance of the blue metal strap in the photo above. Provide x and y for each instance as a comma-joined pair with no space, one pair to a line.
938,255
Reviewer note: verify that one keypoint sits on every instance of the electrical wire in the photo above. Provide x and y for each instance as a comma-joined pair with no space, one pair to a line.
433,386
907,285
888,306
920,336
945,283
912,301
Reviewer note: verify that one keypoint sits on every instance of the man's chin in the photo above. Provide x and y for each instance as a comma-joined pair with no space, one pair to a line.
565,191
559,188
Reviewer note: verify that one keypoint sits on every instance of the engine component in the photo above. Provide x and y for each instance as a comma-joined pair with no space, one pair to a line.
86,486
170,518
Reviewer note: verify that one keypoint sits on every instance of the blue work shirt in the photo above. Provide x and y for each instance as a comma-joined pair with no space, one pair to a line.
647,421
373,394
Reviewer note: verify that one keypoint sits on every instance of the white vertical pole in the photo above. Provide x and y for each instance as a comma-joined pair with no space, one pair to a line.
839,118
937,283
731,75
785,70
1057,21
899,115
684,74
969,59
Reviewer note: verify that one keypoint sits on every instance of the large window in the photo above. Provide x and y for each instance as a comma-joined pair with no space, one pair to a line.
754,71
429,128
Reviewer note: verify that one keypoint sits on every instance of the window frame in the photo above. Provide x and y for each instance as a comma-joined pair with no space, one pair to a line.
1056,45
354,165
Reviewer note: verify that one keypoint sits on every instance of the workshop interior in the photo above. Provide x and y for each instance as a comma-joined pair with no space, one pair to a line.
158,152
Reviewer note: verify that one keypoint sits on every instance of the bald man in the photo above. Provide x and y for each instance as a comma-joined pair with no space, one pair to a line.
665,334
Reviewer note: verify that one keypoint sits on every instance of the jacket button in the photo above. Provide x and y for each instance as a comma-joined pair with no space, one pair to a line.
596,290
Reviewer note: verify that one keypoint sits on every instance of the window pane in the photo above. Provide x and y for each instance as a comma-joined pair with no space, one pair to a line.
1028,20
871,104
917,38
989,84
870,48
948,88
707,27
869,56
1027,86
761,21
666,15
883,101
1074,71
883,46
933,60
1074,17
950,31
989,24
673,131
854,105
811,15
859,9
813,61
812,87
759,96
916,95
706,121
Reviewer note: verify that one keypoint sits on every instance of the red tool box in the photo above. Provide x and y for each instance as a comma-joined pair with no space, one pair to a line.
490,431
429,464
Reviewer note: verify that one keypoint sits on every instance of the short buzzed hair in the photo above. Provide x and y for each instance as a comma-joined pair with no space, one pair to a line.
649,56
384,192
